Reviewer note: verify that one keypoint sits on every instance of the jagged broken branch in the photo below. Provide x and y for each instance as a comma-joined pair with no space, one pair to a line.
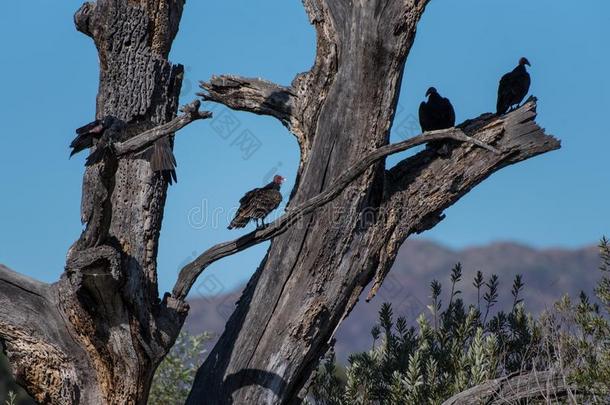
190,273
191,113
253,95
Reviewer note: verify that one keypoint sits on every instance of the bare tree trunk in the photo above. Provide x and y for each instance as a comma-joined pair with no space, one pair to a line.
314,273
97,335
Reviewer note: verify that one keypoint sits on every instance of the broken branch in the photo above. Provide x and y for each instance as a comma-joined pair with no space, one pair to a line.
147,138
258,96
513,389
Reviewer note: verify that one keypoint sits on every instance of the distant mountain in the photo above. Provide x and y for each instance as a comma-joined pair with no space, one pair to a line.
548,274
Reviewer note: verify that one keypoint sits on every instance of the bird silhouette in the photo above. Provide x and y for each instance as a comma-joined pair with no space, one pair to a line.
513,87
436,113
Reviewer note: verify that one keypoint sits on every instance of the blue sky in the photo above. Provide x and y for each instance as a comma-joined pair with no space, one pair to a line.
49,79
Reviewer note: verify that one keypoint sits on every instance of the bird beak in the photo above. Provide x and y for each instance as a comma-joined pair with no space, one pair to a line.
528,63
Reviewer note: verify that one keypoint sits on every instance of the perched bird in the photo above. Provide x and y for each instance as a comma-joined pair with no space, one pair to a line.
513,87
108,130
258,203
101,133
436,113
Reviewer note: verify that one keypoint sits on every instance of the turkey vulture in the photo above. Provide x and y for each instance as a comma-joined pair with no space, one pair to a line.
108,130
258,203
436,113
101,133
513,87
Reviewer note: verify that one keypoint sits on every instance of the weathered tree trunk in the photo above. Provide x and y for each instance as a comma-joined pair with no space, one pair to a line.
97,335
314,273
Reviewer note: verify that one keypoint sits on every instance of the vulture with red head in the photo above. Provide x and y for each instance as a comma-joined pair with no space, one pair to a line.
258,203
100,133
103,133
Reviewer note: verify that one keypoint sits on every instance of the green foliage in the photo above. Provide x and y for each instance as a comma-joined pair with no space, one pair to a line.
175,375
12,398
603,287
456,347
327,384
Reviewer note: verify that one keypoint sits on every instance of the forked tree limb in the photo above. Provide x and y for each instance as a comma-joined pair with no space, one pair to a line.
513,389
418,189
190,273
139,142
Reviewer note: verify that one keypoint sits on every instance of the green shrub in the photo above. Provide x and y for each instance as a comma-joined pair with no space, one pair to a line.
456,347
175,375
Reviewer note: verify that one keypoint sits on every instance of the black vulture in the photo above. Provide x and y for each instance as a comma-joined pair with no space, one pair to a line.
258,203
513,87
436,113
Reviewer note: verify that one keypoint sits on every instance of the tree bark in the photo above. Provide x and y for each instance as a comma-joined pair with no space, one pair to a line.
314,272
38,341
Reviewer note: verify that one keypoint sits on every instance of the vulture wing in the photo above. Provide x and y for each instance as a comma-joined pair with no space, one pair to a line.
97,155
95,127
266,201
425,119
521,87
85,137
448,113
249,196
504,93
162,159
246,209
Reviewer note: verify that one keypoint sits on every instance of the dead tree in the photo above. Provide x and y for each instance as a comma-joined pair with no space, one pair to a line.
97,335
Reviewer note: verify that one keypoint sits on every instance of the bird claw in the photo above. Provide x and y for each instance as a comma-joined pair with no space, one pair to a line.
261,226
